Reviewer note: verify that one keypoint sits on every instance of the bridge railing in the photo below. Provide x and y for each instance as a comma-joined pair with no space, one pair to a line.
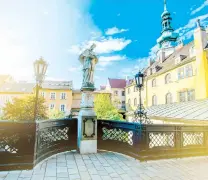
152,141
24,144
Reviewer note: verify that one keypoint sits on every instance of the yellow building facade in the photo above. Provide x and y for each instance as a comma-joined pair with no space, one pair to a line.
179,72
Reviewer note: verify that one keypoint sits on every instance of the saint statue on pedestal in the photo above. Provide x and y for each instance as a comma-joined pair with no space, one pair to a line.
88,59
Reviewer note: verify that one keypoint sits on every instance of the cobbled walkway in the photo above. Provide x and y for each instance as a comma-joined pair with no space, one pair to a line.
108,165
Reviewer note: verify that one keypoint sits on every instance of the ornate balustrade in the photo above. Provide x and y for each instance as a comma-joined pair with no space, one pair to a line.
152,141
24,144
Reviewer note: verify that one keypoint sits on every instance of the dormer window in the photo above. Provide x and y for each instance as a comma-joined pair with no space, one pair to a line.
179,59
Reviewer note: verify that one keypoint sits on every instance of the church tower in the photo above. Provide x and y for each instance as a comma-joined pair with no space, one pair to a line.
168,38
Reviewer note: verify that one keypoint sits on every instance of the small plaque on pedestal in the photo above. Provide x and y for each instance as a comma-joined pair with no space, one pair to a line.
89,127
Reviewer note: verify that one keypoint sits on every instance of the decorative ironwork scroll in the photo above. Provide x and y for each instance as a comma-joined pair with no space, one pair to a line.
118,135
193,138
158,139
140,115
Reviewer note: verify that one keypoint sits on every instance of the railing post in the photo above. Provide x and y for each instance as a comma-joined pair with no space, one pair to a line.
178,138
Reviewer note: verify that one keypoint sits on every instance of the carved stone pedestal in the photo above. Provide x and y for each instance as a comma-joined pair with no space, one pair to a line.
87,124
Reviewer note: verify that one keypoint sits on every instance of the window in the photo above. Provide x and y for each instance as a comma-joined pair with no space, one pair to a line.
123,93
53,95
189,70
123,104
181,73
168,98
115,93
153,82
62,107
128,90
129,102
135,102
43,94
167,79
191,95
52,106
182,96
154,100
63,95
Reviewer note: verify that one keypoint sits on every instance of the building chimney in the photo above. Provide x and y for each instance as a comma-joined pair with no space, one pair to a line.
200,42
200,36
162,56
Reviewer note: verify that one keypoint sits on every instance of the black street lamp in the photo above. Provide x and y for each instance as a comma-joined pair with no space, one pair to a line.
40,68
140,112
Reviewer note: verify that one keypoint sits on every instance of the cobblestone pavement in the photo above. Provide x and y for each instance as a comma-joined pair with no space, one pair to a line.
108,165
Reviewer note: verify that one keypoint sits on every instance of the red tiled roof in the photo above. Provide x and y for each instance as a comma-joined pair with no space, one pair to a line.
117,83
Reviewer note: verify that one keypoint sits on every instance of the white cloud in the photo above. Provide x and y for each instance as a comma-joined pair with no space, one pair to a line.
97,77
22,42
111,58
114,30
107,60
100,69
75,69
186,32
103,45
199,8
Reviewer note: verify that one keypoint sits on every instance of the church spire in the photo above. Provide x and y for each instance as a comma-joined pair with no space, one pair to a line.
168,37
165,5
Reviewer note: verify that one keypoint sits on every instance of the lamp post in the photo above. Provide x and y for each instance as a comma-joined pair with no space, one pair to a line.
40,67
140,112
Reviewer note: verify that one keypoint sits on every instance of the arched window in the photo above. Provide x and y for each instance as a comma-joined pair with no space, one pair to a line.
135,102
168,98
167,79
154,100
189,70
153,82
129,102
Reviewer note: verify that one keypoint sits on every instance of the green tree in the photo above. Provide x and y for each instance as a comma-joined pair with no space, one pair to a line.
22,109
105,109
56,114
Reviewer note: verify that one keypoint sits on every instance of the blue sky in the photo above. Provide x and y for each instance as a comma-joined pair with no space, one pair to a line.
125,32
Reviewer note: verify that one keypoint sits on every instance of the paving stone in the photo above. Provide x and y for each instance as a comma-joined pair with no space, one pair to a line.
61,169
50,178
62,174
3,174
61,164
96,177
37,177
112,166
106,178
73,171
74,176
12,176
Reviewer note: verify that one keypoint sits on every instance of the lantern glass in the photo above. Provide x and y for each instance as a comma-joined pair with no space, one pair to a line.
40,67
139,78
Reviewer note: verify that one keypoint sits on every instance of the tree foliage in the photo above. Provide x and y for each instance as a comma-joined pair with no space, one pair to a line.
22,109
56,114
105,109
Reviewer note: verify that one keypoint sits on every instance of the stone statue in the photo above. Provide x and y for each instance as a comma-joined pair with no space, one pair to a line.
88,59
